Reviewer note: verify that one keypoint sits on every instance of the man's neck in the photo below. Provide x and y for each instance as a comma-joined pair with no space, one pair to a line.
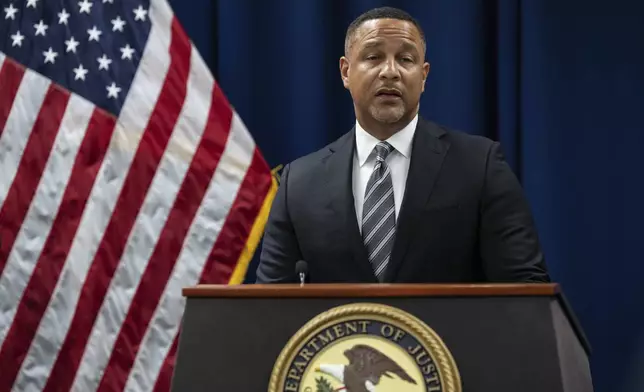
383,131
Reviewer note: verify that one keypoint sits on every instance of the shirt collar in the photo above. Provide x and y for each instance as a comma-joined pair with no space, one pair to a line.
400,141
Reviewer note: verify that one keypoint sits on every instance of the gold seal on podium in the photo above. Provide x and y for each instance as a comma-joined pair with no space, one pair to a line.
365,347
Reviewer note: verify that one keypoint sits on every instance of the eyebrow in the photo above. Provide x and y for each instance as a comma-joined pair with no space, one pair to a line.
373,43
379,42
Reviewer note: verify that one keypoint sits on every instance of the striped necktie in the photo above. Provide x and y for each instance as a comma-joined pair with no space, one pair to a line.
378,213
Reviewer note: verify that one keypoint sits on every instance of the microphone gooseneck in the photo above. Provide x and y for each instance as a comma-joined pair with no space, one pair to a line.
301,268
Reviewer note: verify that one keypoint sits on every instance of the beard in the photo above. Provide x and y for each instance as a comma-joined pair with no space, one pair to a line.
387,114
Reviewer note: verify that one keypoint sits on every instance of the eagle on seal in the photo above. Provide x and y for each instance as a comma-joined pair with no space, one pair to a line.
366,366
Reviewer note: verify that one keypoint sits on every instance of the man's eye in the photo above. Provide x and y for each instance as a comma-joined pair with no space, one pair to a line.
372,57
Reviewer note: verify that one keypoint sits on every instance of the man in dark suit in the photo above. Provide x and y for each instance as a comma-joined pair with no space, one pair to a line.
398,198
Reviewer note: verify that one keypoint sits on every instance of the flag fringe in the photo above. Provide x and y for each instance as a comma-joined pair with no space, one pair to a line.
254,237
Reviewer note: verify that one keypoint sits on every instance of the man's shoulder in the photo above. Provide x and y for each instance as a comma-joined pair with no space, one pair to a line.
465,146
457,136
308,175
312,160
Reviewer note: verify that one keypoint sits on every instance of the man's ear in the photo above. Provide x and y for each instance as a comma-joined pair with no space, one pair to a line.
344,71
426,67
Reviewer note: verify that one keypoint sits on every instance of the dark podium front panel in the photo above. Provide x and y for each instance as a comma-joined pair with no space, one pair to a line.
501,338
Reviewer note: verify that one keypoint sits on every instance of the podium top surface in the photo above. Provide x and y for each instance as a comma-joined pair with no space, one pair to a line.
365,290
371,290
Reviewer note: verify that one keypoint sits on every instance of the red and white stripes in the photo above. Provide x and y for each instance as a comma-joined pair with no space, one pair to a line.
103,221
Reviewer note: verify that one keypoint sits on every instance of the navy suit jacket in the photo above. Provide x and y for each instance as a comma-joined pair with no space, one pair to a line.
464,217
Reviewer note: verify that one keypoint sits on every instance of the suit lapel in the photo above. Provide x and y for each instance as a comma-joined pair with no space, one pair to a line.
428,152
338,173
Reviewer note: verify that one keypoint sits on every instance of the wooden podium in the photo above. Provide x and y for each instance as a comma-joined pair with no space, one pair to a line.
500,338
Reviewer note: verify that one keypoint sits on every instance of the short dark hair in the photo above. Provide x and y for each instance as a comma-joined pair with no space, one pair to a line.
381,13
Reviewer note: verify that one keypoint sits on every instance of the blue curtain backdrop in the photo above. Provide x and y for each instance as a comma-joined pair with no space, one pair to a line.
559,82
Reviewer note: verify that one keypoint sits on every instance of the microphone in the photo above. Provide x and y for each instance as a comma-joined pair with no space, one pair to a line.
301,268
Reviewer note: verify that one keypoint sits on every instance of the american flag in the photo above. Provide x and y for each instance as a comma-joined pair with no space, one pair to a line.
125,175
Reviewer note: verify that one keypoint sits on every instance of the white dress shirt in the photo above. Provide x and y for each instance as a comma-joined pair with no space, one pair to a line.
398,162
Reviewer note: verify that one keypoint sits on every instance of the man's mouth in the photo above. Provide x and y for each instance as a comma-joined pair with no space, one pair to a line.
388,92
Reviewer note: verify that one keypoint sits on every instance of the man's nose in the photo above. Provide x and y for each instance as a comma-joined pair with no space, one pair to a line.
390,69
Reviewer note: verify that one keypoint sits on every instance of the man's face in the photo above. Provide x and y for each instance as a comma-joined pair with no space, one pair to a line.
385,70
